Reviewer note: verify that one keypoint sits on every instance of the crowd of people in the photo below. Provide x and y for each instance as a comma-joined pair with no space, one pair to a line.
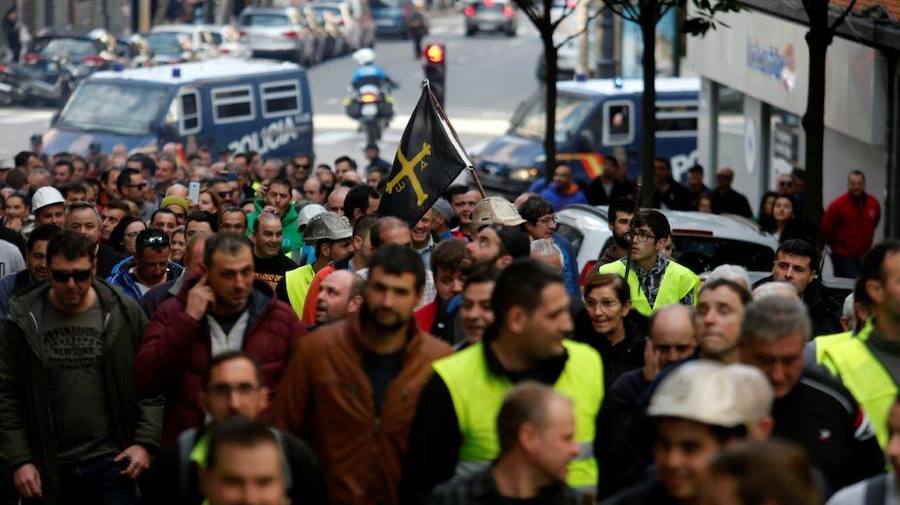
226,329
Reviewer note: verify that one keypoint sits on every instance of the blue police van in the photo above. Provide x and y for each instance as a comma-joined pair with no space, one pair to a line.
238,105
594,118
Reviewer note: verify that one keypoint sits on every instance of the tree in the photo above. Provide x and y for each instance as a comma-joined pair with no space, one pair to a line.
541,15
647,13
818,38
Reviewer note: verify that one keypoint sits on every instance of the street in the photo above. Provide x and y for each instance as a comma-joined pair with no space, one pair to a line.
487,77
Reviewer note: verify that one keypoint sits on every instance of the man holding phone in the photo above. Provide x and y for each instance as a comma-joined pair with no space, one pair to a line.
79,434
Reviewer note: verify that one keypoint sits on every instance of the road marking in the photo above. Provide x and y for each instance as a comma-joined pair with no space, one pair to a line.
24,116
463,125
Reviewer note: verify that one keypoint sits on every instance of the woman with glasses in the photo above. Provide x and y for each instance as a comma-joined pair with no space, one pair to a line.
603,325
125,233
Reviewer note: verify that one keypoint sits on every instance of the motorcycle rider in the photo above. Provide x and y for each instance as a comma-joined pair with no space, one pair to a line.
369,72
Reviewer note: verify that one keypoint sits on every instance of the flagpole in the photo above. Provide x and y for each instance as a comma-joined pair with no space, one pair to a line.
446,119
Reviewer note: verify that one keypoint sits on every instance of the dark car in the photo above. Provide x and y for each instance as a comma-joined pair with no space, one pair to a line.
392,17
491,16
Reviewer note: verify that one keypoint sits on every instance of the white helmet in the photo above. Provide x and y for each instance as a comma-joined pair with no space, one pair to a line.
308,212
364,56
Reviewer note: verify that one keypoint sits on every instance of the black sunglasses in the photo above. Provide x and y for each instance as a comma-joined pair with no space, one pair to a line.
138,186
78,275
224,194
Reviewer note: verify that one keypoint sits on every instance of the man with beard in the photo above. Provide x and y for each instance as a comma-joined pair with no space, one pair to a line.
232,387
848,225
619,217
381,360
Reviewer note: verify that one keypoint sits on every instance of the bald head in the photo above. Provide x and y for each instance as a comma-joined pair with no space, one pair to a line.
391,231
193,258
673,334
177,190
336,199
340,294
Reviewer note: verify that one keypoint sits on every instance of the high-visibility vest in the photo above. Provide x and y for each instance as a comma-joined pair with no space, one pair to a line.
823,342
297,282
869,383
478,394
677,282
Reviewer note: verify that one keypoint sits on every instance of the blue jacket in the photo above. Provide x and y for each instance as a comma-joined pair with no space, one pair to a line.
123,279
371,73
570,265
560,201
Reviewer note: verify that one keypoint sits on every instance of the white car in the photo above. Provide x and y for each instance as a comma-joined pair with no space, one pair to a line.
702,241
202,42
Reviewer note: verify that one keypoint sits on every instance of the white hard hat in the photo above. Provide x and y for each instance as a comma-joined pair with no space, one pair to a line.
308,212
496,210
364,56
47,195
709,392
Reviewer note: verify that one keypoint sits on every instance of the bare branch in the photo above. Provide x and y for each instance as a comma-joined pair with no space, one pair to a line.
579,32
621,13
840,20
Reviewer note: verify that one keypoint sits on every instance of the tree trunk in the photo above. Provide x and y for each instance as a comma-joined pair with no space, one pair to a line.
648,99
818,38
550,62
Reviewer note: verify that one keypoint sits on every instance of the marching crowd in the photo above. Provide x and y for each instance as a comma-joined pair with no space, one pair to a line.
226,329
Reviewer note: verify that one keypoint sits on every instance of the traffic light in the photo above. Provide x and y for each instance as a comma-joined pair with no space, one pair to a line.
435,69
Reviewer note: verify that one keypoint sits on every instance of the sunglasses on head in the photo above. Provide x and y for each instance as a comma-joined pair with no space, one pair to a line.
77,275
155,241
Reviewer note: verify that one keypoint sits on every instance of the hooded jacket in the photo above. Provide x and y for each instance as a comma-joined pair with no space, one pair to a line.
176,352
292,239
26,427
124,279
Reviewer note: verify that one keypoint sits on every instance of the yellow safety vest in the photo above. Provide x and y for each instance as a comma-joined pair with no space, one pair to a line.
825,341
297,282
478,394
868,381
677,282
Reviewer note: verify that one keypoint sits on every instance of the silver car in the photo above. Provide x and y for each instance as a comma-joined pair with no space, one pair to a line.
701,241
491,15
279,33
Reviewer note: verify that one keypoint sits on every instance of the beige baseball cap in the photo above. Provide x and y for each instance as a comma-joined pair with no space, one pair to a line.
712,393
495,210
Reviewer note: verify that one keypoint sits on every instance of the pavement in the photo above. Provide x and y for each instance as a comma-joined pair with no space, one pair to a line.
488,76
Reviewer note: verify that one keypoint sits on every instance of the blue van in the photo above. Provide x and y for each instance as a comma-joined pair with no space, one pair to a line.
238,105
594,118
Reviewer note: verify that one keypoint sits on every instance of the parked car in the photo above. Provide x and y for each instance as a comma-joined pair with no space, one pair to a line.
204,42
325,43
279,33
701,241
392,17
229,43
490,16
331,17
88,51
168,48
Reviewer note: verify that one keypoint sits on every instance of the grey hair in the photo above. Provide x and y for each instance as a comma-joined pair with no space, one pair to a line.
775,288
76,206
733,273
772,318
547,247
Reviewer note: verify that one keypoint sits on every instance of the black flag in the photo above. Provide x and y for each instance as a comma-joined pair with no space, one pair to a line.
428,160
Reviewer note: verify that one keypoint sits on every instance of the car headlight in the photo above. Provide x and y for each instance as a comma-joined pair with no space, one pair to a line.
524,174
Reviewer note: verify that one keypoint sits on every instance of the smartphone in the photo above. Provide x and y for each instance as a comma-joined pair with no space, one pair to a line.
194,192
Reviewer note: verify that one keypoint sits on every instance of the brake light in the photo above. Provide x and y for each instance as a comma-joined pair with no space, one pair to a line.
93,60
2,67
32,58
469,11
291,35
489,3
508,11
585,272
368,98
571,4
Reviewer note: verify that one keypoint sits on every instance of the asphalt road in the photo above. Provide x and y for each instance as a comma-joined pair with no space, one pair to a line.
487,77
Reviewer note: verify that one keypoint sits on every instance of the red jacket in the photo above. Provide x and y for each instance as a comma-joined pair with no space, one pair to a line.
176,351
425,316
849,225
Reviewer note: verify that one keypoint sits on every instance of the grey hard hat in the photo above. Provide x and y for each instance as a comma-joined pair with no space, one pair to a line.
327,226
309,211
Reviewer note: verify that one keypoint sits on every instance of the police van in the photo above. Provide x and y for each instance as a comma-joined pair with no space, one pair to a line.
237,105
594,118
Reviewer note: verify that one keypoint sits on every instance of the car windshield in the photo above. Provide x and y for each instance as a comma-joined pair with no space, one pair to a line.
265,20
75,49
116,107
570,113
165,43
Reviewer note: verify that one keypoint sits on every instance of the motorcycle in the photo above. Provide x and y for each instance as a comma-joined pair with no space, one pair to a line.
23,85
373,107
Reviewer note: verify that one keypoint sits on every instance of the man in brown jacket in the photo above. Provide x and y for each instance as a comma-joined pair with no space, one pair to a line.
352,386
